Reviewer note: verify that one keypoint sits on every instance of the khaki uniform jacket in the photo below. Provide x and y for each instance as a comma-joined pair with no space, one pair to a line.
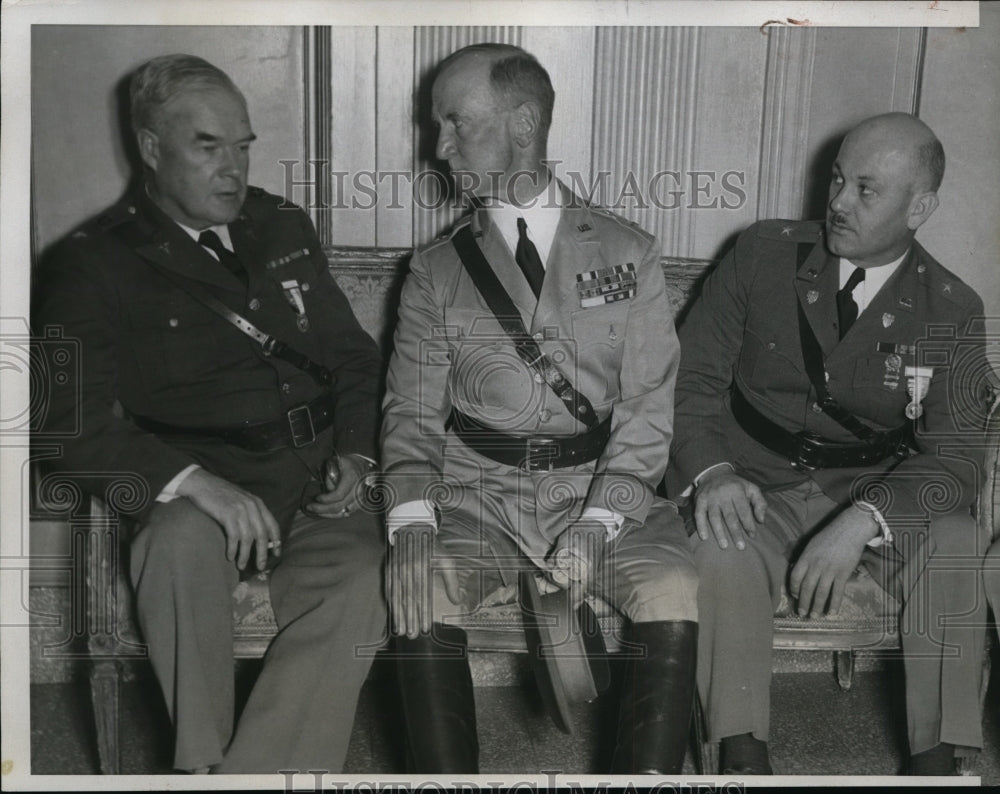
149,349
450,352
744,330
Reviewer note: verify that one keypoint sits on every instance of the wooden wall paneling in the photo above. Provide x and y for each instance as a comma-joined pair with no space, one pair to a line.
645,93
906,74
858,72
721,185
784,153
568,56
312,181
395,110
353,133
431,216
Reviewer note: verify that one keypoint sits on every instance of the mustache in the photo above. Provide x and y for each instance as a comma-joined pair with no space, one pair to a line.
838,218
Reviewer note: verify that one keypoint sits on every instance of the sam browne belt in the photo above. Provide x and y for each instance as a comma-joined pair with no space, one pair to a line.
297,427
531,453
805,450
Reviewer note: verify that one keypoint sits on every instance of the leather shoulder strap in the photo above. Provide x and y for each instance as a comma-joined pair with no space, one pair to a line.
271,346
507,315
812,355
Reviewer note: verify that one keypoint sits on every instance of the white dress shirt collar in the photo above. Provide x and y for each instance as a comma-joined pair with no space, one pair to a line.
875,278
541,216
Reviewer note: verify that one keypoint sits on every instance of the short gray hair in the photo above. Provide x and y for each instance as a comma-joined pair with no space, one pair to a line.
515,74
160,79
930,159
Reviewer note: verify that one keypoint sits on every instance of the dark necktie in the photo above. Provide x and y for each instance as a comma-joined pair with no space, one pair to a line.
211,240
527,258
847,309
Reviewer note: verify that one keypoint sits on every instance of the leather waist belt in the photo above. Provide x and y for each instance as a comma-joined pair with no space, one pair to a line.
531,453
298,427
805,450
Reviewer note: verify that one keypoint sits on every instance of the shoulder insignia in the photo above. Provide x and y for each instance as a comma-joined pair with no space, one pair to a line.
614,217
791,231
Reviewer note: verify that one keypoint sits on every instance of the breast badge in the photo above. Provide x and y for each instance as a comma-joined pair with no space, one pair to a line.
606,285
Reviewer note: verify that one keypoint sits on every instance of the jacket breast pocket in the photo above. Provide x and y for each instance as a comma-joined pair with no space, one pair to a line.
176,344
879,390
598,339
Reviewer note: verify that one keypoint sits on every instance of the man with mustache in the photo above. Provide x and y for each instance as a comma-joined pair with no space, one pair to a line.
817,431
249,455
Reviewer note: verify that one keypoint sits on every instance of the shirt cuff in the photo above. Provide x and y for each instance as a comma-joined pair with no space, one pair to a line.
419,511
169,492
885,534
612,521
694,484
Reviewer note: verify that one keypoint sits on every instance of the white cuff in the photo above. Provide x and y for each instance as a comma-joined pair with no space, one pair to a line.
419,511
169,492
694,483
612,521
885,534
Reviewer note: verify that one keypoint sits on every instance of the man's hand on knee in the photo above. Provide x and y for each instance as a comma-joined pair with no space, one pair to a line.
409,580
828,560
243,517
729,507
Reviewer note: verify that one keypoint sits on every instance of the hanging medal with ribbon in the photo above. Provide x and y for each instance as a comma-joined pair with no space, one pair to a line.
293,294
918,379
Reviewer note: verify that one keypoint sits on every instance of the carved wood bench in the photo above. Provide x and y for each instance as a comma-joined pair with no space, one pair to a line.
371,279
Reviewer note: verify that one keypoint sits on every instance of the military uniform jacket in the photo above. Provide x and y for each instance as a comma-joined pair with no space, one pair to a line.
622,354
743,330
151,350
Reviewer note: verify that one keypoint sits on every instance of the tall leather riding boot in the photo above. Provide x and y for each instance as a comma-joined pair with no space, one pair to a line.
657,698
439,708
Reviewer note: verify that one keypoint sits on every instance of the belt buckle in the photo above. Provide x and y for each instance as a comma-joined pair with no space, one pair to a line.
300,425
808,452
539,454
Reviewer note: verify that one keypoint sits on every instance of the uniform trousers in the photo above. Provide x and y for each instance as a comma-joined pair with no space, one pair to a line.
497,520
932,567
326,592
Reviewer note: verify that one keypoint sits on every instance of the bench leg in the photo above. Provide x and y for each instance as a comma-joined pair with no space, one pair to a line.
105,676
844,663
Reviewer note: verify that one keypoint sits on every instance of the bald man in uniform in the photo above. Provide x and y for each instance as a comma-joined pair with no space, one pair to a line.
817,431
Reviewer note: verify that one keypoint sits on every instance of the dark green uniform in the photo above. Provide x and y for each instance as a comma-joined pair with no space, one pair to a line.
744,331
150,351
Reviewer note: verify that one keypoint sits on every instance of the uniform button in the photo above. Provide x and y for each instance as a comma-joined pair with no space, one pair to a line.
545,414
286,387
538,378
817,408
538,336
770,345
131,210
172,322
305,286
254,304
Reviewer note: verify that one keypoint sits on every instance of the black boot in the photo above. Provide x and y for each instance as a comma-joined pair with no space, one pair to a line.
439,708
657,698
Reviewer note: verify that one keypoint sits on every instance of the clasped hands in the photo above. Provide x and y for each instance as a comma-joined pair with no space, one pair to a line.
730,508
570,565
248,524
